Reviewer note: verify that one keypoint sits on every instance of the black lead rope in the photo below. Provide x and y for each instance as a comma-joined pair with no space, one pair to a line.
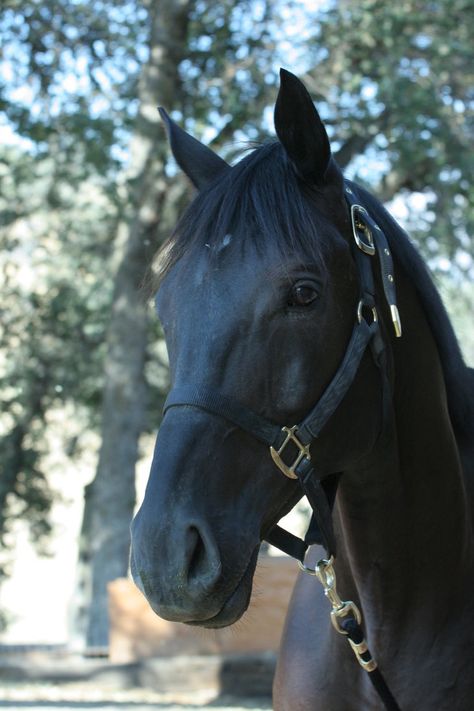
345,615
355,634
290,446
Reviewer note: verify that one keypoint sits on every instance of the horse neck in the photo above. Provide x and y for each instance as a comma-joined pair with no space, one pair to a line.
404,517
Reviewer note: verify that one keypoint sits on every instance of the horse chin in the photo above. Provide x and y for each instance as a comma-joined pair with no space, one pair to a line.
214,616
235,605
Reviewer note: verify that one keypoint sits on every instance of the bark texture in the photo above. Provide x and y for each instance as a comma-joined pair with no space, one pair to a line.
110,498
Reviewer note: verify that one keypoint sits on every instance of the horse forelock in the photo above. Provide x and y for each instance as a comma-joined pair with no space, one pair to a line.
260,201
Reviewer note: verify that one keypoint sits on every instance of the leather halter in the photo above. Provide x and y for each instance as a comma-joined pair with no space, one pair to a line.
369,240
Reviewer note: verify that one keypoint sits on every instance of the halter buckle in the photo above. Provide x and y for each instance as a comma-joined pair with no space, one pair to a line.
361,231
303,451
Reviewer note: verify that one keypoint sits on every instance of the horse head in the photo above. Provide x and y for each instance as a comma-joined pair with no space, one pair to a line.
257,300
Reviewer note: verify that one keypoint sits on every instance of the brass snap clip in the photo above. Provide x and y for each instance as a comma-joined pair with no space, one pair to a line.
326,575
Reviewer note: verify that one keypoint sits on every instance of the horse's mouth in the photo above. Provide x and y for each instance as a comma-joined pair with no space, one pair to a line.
235,605
232,610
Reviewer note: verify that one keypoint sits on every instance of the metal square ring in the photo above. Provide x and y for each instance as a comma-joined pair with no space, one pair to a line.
303,451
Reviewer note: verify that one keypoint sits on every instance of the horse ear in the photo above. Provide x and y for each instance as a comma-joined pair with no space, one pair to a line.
201,165
300,129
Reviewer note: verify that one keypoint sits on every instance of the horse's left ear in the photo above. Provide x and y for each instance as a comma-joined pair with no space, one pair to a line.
300,129
201,165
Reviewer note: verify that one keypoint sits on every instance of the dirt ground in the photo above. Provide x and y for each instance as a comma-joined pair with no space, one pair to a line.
59,697
66,682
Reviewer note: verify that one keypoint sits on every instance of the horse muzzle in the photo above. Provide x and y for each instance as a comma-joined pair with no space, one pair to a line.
182,576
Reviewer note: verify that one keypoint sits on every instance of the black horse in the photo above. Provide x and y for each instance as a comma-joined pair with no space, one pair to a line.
263,291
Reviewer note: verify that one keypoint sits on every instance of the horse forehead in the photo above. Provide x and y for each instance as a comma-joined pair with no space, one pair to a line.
213,287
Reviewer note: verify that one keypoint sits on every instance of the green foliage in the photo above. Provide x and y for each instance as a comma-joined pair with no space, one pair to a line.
68,103
74,60
229,74
54,252
398,78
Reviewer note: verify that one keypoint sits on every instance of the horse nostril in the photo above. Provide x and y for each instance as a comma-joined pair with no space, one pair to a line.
203,564
196,553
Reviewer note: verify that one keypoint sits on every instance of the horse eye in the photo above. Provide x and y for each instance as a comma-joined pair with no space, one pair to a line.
302,295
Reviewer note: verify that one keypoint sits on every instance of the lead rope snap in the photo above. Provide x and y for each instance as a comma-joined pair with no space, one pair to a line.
341,609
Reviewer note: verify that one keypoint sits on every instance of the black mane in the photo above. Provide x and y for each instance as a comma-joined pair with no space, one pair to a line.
458,377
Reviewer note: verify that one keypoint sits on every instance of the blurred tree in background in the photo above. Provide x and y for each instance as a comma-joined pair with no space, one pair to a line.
396,81
59,205
88,193
395,84
205,38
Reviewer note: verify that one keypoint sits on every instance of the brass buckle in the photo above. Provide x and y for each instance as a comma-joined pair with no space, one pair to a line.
303,451
360,227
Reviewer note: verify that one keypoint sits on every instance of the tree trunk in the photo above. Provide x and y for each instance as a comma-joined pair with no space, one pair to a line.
110,498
